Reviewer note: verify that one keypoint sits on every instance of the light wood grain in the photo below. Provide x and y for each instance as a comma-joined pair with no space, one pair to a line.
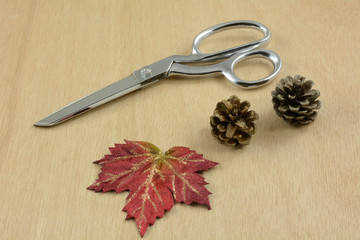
289,183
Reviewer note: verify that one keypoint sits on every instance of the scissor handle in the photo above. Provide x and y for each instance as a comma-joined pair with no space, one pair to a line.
233,55
227,67
230,51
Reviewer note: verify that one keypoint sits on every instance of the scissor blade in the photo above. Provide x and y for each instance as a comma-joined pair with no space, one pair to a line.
111,92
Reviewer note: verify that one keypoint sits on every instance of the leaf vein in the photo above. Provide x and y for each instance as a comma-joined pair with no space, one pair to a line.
183,179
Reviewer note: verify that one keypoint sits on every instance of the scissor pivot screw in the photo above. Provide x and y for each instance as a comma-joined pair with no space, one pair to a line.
146,73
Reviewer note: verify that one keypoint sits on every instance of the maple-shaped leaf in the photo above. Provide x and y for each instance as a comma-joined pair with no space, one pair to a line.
154,179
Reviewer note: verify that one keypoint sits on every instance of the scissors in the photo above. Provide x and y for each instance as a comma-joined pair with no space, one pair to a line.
176,64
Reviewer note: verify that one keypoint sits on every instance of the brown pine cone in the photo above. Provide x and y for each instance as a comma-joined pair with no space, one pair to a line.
232,123
295,101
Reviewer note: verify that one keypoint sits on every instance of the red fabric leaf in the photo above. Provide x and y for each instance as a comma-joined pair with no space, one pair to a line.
154,179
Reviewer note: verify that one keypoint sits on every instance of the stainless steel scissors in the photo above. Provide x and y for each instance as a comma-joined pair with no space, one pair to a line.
152,73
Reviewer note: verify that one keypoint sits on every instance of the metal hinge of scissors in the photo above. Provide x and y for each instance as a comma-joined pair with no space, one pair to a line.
176,64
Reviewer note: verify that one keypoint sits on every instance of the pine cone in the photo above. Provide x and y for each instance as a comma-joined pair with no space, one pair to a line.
232,123
295,101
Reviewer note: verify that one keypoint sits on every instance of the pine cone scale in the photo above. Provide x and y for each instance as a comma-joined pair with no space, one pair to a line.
221,128
307,85
280,97
299,117
294,109
283,108
221,116
251,115
243,140
230,131
289,115
304,102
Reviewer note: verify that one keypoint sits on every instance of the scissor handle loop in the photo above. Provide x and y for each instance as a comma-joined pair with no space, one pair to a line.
228,66
230,51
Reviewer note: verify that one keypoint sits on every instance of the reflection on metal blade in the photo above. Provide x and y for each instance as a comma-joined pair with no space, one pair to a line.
109,93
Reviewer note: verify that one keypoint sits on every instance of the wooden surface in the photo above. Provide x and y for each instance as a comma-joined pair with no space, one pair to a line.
289,183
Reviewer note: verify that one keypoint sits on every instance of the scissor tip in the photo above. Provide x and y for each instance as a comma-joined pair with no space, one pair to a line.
42,123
